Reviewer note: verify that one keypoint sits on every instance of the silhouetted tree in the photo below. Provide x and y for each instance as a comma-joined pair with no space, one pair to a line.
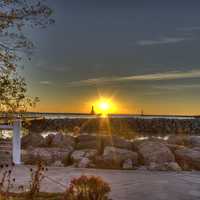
15,16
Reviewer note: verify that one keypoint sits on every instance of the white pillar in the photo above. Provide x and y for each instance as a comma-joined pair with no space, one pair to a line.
16,144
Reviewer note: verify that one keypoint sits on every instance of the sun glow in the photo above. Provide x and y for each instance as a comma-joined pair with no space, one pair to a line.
104,106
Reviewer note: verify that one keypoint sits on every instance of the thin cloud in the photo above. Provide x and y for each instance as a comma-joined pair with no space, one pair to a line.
173,75
177,87
165,40
191,28
42,65
46,83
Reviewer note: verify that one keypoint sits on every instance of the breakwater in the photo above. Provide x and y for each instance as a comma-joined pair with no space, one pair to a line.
119,125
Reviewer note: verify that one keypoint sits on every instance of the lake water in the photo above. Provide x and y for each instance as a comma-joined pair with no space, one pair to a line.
82,116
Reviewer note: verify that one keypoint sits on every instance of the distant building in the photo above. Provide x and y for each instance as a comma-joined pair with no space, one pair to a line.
92,111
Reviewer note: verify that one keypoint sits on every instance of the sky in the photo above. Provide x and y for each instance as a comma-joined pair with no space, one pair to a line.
144,55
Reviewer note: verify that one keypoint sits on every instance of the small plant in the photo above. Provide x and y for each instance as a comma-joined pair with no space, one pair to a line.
87,188
6,181
36,178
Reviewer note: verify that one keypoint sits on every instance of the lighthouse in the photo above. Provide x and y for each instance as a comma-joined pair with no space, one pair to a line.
92,111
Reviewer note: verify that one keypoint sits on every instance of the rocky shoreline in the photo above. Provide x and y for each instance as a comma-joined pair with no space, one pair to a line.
179,152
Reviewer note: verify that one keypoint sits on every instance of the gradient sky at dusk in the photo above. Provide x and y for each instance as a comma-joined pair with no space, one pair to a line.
145,54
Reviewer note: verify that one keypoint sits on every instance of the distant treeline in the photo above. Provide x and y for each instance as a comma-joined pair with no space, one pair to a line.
128,127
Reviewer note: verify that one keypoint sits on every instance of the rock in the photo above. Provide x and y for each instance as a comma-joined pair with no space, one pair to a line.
153,166
196,148
142,168
188,159
114,157
89,142
38,154
25,157
59,140
194,141
116,141
57,163
86,137
90,153
32,140
48,140
47,155
171,166
182,140
128,164
119,154
84,163
155,152
78,155
93,144
100,142
174,147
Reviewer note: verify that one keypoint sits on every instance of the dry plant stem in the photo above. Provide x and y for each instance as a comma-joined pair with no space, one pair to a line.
36,178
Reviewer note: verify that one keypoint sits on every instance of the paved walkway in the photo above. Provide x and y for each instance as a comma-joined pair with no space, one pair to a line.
126,185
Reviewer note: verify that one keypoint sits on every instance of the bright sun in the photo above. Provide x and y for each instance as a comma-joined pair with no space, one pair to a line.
104,106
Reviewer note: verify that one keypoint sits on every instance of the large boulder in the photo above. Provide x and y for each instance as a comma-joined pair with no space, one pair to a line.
174,147
128,164
171,166
47,155
115,157
59,140
182,140
155,152
32,140
57,163
100,142
117,142
84,163
188,159
48,140
89,142
83,158
77,155
194,141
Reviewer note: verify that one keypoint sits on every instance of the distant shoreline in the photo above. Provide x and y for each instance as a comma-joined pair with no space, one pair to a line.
55,115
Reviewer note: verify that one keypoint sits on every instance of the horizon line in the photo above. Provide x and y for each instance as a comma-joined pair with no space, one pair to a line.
99,114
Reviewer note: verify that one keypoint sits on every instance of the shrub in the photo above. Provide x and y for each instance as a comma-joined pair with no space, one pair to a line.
87,188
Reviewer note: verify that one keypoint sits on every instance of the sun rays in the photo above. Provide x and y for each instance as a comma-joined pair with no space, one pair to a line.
105,106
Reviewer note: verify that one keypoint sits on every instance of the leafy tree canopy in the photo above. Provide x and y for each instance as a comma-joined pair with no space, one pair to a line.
15,15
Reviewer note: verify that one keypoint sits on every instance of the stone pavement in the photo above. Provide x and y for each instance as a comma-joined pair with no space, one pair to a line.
126,185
